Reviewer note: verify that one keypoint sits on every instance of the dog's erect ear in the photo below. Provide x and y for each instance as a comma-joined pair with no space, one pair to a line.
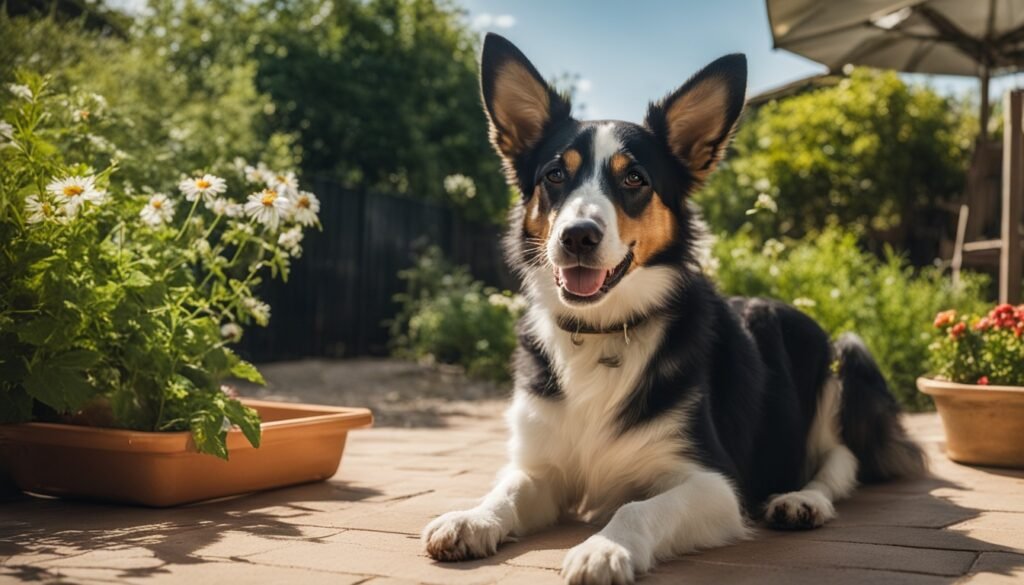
697,120
519,103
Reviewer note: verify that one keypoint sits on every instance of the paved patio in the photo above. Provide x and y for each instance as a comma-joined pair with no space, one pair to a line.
965,525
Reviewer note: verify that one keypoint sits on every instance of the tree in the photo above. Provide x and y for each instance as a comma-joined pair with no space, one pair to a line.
378,94
871,152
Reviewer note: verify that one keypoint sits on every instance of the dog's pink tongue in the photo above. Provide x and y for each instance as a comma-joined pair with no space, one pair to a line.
582,281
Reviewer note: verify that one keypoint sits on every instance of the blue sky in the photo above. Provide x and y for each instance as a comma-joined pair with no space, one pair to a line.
628,53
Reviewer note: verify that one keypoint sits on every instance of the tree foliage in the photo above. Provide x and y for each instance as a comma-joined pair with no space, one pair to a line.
871,151
379,94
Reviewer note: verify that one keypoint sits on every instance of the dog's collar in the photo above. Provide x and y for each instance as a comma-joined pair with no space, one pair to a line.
579,328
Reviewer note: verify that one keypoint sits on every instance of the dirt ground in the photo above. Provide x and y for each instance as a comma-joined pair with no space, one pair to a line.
400,393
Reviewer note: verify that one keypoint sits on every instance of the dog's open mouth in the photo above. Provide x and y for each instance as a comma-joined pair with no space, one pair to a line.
581,283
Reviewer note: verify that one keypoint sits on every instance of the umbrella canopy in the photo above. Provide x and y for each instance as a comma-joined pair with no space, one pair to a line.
945,37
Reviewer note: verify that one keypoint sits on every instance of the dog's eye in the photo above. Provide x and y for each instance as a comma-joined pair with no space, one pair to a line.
555,176
634,179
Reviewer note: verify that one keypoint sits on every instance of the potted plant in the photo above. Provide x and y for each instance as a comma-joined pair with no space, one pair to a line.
977,382
118,309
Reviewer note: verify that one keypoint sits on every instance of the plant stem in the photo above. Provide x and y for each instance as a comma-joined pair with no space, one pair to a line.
192,211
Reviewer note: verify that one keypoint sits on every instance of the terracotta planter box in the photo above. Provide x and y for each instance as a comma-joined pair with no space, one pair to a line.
300,443
984,424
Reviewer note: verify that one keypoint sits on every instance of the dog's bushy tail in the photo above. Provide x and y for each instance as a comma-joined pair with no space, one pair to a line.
869,417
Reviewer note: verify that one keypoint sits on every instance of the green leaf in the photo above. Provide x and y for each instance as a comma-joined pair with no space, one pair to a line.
246,418
62,389
247,371
137,280
59,382
208,435
38,331
76,359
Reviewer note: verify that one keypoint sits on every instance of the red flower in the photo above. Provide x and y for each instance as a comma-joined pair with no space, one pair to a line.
958,330
983,324
945,318
983,381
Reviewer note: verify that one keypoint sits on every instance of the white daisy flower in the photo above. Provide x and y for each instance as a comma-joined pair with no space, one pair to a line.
257,174
6,130
159,210
39,211
284,183
267,207
20,91
291,240
224,206
206,186
305,207
231,331
259,310
72,192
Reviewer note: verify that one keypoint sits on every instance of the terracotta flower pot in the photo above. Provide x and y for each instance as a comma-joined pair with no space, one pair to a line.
300,443
984,424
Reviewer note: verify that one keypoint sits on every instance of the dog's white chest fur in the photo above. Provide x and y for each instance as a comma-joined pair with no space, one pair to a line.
581,435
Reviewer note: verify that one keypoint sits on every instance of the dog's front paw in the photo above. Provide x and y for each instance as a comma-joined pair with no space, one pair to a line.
799,510
598,561
457,536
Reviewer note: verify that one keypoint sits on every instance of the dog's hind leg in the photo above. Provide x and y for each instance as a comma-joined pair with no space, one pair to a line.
831,465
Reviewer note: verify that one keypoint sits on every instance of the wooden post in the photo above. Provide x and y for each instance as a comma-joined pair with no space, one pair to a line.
983,119
1013,199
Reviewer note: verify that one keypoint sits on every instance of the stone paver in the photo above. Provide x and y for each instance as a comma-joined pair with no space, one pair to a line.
962,525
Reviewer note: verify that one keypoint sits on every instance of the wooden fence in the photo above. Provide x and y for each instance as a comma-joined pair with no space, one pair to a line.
339,294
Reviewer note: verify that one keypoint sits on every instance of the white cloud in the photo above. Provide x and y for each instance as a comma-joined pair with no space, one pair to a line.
583,85
486,20
504,21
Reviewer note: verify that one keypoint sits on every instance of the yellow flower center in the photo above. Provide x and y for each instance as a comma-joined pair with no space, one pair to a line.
268,198
73,190
156,203
303,202
46,208
83,114
281,179
202,184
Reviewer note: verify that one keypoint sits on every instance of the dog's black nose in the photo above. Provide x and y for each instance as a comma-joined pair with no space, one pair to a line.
582,237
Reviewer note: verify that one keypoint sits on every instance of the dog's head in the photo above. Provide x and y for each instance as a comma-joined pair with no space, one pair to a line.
603,227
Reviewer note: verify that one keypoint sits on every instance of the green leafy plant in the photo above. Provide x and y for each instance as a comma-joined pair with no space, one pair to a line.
979,349
118,307
448,317
872,151
845,288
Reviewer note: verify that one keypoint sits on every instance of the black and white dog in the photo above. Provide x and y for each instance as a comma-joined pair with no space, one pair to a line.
643,398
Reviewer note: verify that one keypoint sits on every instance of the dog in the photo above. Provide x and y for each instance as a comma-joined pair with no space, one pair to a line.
643,399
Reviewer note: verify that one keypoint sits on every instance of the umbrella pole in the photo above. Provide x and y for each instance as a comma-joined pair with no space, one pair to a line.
983,135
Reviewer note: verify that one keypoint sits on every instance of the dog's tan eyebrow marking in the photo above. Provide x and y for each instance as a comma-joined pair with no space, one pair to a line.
619,162
572,160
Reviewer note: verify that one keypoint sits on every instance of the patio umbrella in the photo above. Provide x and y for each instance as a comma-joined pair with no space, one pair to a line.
978,38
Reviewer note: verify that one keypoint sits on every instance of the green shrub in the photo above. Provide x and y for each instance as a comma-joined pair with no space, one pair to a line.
448,317
975,349
845,288
870,151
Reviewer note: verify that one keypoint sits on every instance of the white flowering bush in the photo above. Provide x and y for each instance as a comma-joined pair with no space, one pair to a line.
119,307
